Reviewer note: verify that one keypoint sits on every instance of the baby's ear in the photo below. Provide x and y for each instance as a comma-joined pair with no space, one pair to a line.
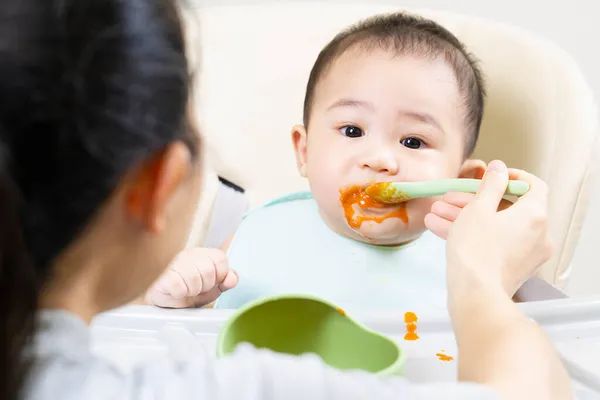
472,169
299,140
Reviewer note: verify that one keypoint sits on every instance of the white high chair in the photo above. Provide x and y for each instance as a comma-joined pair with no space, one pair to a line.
255,60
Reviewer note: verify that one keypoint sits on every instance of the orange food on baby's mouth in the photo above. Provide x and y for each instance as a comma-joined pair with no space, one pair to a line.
356,195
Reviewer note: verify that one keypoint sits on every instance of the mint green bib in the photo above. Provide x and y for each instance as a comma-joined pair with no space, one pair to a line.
285,247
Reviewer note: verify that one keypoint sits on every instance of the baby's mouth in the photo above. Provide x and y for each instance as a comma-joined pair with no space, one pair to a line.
359,207
376,210
357,196
367,202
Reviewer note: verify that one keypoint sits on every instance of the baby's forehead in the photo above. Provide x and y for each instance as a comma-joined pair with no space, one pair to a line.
360,71
392,86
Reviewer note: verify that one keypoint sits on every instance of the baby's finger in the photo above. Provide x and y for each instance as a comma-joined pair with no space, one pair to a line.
213,294
172,284
439,226
446,210
198,270
221,264
206,298
186,265
230,281
192,276
204,270
158,299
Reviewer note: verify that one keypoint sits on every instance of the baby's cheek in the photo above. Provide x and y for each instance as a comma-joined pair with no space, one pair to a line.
327,196
427,171
325,193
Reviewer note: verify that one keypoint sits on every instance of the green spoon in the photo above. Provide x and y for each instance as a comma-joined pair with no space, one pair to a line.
299,324
398,192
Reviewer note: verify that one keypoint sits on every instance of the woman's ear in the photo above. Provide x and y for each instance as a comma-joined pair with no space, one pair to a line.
299,139
152,186
472,169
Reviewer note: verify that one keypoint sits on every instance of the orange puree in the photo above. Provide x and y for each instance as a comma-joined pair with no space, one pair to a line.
342,312
356,195
411,332
444,357
410,319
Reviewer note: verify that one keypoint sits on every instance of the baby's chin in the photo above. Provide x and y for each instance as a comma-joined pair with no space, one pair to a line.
392,231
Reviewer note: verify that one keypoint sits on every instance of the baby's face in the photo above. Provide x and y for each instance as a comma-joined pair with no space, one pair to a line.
377,117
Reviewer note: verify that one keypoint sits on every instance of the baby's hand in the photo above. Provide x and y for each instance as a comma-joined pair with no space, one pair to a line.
195,278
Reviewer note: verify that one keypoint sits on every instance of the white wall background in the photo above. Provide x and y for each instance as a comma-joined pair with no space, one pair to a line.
575,26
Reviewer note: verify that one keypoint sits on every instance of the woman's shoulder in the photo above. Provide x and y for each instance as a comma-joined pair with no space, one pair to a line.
60,364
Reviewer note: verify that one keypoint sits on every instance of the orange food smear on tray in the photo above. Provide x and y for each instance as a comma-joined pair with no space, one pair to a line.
410,319
342,312
444,357
356,195
411,332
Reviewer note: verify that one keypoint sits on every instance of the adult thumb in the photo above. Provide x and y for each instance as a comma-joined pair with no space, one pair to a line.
493,185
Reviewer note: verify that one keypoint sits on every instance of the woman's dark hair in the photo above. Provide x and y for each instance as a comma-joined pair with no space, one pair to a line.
88,89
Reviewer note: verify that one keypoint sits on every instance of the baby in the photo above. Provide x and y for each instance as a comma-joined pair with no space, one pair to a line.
393,98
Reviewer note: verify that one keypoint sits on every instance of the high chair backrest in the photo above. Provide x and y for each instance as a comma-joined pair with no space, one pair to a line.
255,60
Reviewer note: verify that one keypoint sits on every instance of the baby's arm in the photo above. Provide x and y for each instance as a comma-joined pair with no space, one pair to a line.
195,278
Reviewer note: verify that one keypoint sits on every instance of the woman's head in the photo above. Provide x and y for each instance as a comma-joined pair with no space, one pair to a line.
98,158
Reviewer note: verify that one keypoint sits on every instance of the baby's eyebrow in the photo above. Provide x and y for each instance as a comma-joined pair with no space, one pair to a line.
421,117
351,103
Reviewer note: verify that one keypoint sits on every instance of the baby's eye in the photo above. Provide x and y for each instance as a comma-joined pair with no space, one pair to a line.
352,131
412,143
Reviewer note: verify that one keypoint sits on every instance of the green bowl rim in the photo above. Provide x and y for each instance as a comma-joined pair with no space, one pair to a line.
395,366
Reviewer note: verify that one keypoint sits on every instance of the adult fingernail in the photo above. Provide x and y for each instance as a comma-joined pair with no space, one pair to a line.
497,166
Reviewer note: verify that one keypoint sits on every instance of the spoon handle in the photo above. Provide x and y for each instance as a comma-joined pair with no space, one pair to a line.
397,192
441,187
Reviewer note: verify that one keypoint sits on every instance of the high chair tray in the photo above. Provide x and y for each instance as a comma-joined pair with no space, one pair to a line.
142,333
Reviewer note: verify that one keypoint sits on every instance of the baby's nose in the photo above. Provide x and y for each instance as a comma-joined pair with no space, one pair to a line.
382,162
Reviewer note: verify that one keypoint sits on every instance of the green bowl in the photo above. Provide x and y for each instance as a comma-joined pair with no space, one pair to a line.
299,324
